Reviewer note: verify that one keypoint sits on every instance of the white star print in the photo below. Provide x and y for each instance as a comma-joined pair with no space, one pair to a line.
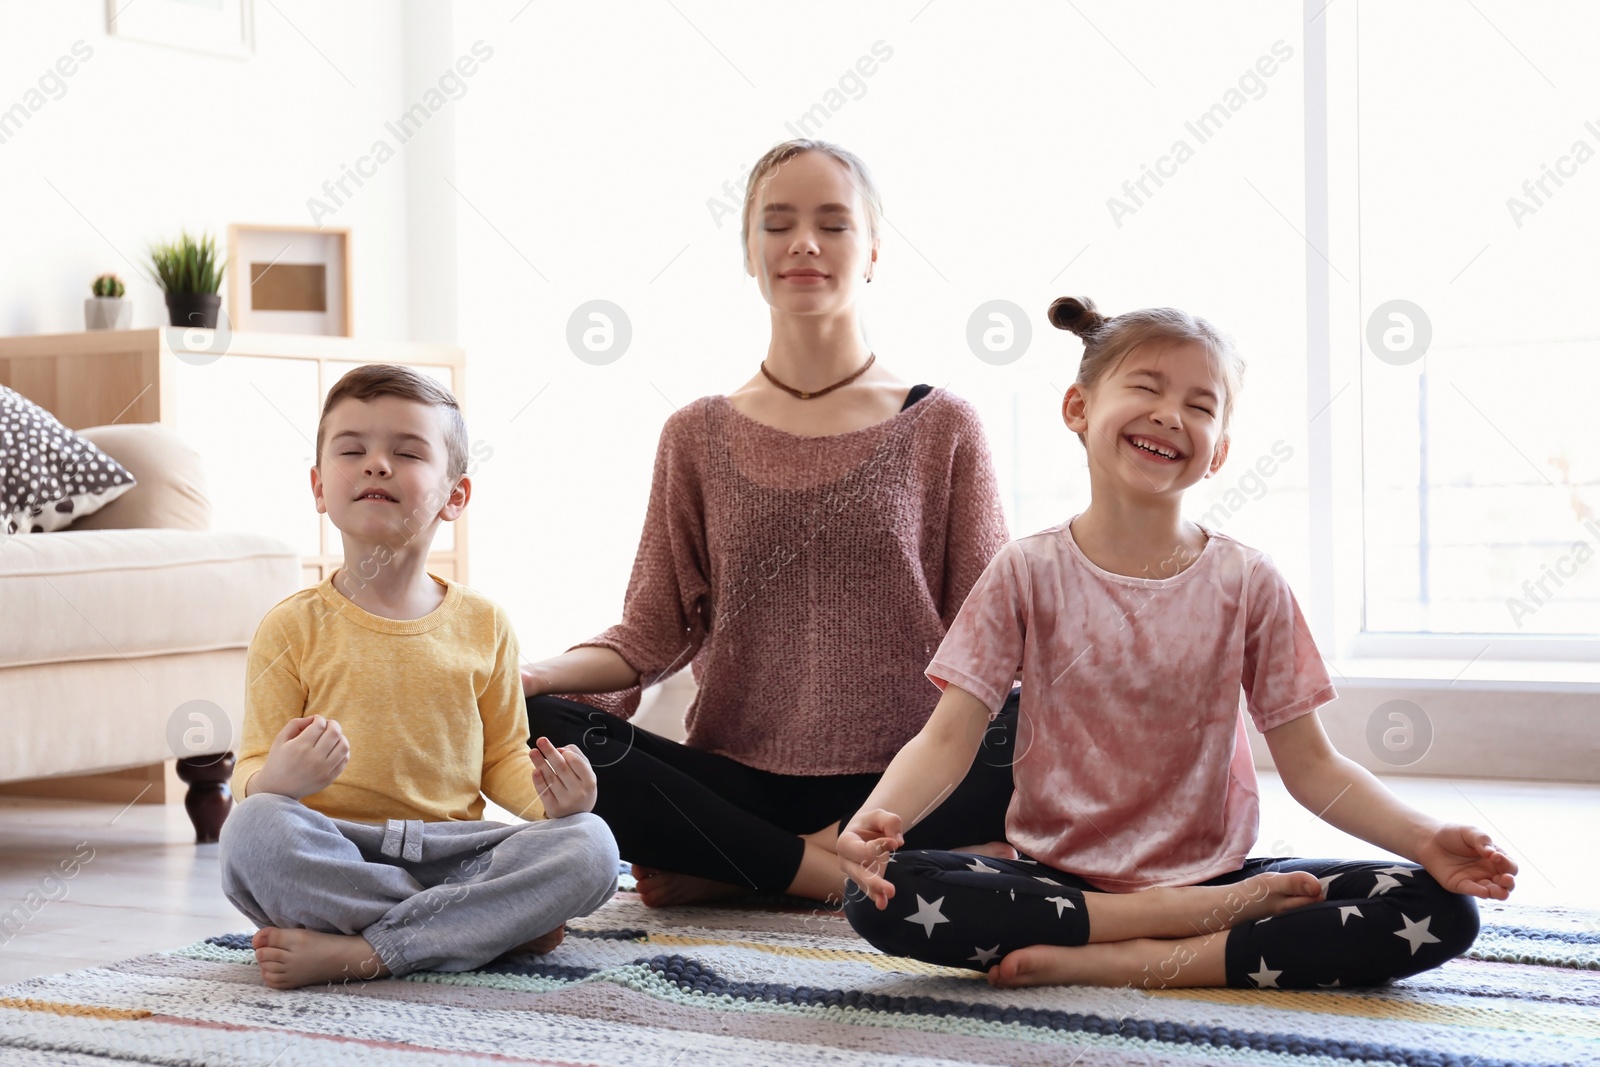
1266,978
1417,933
1046,881
1383,884
1013,894
1406,872
928,915
1325,883
984,955
1060,903
980,867
1346,912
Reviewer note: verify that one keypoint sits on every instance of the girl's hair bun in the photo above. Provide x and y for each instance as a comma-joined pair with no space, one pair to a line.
1075,313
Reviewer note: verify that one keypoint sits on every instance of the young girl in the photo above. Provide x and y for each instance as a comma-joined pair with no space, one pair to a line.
1135,631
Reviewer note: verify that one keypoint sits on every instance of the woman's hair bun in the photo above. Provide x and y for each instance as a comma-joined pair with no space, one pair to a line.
1075,313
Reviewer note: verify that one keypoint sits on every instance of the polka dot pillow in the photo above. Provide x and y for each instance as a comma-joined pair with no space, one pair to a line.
48,474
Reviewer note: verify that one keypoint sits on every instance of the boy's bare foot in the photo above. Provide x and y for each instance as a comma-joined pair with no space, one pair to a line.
994,850
662,889
290,959
546,942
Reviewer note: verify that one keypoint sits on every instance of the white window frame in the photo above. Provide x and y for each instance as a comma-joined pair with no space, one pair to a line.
1335,361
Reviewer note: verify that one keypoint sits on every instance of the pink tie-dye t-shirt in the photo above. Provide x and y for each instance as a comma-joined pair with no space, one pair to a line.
1133,768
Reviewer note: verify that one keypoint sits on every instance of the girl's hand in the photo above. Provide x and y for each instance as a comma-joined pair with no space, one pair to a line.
864,848
1462,859
563,778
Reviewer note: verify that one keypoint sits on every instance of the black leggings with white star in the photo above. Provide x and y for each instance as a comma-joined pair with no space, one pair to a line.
1378,921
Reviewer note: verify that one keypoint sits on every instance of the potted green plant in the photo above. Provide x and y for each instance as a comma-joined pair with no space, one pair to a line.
190,274
106,309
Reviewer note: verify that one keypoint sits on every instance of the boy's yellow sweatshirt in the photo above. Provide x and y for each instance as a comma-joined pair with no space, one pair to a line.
432,707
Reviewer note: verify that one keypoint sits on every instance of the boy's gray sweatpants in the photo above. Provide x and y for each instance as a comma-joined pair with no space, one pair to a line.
443,896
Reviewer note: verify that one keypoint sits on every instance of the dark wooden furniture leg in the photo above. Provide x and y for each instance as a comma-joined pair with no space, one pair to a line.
209,800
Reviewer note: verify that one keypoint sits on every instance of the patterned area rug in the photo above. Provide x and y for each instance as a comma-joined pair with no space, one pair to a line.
775,983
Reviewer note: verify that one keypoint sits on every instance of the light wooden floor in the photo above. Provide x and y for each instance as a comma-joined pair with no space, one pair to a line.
148,887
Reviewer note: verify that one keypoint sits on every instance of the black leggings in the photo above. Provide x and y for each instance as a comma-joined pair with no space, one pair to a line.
688,811
1378,921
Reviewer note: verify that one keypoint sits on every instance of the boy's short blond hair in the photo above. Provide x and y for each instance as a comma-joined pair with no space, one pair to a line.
387,379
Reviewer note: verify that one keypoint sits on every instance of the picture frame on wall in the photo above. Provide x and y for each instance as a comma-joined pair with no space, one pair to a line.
289,279
220,27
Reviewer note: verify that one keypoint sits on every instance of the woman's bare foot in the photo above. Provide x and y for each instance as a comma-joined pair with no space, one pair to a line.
998,850
1144,962
543,943
290,959
1186,911
663,889
826,838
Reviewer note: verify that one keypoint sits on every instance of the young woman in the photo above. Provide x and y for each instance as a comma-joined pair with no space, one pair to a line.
1136,633
809,538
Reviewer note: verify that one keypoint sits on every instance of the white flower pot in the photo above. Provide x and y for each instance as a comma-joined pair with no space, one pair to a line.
107,313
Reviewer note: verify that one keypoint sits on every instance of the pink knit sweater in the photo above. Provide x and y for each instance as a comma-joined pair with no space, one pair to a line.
808,580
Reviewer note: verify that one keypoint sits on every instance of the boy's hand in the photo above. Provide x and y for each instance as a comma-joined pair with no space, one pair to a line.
564,779
864,848
305,758
1462,859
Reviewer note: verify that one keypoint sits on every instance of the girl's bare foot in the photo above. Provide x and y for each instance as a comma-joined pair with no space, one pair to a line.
663,889
1274,894
290,959
541,944
1185,911
1144,962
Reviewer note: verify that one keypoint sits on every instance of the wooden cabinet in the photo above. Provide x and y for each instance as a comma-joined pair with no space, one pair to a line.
248,402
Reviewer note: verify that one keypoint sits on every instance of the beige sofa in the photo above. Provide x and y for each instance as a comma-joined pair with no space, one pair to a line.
123,637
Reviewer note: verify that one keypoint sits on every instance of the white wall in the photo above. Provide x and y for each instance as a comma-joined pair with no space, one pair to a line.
591,143
144,140
582,155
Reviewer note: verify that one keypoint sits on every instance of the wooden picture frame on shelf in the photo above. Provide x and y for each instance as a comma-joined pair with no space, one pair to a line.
290,279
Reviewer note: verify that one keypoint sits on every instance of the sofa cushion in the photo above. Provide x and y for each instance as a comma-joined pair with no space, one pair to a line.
101,594
48,474
171,492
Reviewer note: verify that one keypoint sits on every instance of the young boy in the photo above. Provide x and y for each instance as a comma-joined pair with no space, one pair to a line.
380,706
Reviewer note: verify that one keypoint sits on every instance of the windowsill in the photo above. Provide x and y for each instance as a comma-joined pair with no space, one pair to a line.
1531,676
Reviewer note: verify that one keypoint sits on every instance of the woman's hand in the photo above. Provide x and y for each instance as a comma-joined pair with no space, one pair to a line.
563,778
864,848
1462,859
532,681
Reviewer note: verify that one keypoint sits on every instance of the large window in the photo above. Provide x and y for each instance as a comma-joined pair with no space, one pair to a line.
1478,134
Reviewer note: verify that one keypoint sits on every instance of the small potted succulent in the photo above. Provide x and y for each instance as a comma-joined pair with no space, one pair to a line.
106,309
190,274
